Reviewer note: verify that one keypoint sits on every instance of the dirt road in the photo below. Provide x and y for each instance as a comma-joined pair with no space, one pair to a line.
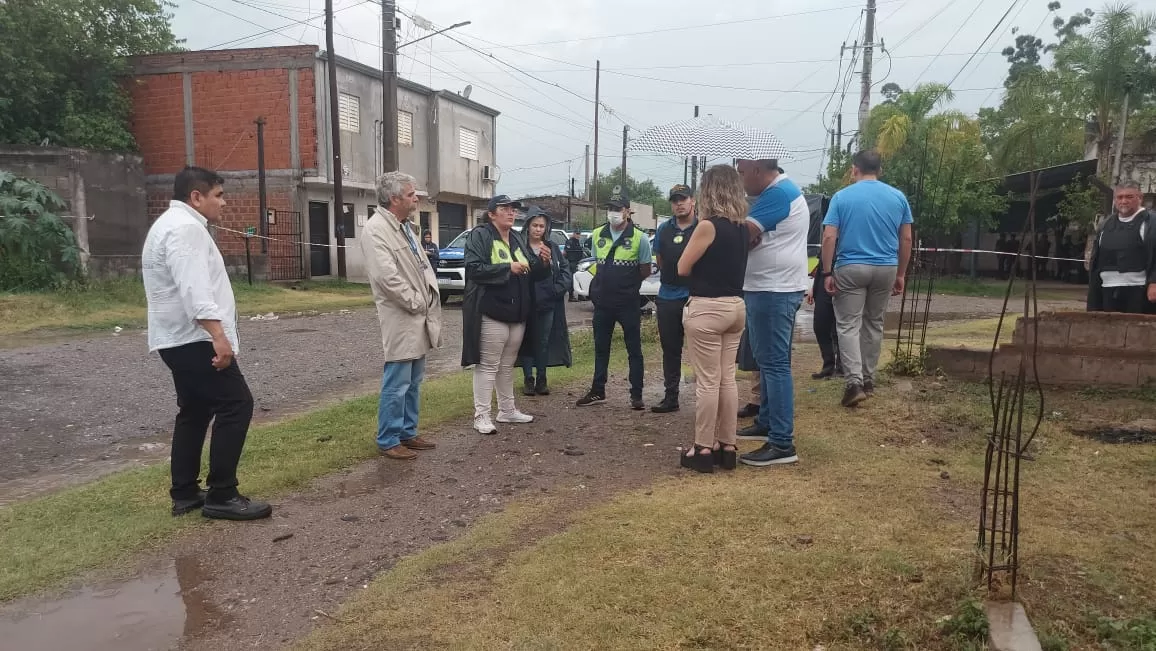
72,410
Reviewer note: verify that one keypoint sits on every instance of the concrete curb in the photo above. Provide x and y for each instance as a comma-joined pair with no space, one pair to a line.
1010,629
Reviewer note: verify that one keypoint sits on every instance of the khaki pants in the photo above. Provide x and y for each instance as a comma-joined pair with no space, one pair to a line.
499,348
714,327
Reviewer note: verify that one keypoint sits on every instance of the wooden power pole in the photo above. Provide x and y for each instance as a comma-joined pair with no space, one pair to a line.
868,48
389,85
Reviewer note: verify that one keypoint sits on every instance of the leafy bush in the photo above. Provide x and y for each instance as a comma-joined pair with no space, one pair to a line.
37,249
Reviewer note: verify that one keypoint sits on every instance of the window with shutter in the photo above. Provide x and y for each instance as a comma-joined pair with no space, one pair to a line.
405,128
468,143
349,112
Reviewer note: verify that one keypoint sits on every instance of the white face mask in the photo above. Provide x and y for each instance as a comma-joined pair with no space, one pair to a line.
615,217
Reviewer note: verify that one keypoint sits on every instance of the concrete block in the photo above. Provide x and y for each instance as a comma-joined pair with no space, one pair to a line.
1141,336
1010,628
1052,332
1100,333
1109,371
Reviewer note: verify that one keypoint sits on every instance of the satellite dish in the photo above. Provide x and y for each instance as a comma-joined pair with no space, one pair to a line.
469,89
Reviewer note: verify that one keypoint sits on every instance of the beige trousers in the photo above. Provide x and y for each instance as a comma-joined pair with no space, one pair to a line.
499,348
714,327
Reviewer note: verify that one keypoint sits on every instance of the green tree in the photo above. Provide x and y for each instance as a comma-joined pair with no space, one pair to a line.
935,157
836,176
37,249
646,192
63,65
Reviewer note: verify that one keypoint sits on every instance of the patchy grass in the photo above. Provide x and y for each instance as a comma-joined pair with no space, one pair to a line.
106,304
51,539
867,543
995,288
977,333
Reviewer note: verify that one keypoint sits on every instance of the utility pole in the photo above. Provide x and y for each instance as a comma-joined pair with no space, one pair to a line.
569,206
839,132
694,166
389,85
868,46
1120,140
586,187
335,138
597,106
685,169
622,176
262,197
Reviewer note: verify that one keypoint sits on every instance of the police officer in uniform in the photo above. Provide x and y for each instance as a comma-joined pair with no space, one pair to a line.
623,261
669,243
1123,262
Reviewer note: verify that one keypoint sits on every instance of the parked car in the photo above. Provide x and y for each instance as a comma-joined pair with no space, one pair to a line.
451,271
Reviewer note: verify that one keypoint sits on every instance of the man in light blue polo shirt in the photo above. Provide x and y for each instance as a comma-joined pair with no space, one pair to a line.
869,223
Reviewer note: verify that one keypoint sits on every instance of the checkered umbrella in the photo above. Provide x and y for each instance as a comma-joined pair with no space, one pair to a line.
714,138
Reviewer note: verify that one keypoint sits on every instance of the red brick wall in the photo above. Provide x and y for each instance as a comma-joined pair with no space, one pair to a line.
307,118
159,121
242,203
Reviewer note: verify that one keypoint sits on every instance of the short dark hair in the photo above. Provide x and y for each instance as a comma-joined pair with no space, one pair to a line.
868,161
1130,185
195,179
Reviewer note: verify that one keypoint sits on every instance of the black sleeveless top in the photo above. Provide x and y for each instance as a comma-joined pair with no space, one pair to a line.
722,268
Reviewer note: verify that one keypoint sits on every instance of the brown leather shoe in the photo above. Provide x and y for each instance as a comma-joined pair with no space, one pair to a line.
418,443
399,453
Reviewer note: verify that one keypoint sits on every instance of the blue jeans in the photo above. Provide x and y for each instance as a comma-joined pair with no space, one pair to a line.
400,399
770,328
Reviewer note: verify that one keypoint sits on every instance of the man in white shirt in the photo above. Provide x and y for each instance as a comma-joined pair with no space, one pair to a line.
1123,260
192,323
775,282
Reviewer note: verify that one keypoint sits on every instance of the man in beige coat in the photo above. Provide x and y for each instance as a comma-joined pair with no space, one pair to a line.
405,290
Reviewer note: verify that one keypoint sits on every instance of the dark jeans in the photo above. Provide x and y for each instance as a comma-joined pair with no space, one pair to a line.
824,326
205,394
630,318
541,325
670,333
573,262
1129,300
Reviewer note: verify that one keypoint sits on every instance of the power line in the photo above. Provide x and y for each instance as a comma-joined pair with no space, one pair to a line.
959,29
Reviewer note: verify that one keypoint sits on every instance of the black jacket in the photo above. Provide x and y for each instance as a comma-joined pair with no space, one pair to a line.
575,252
549,294
481,274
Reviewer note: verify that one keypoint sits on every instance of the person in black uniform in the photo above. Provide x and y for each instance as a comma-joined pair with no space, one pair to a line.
623,257
824,327
575,252
1123,264
673,292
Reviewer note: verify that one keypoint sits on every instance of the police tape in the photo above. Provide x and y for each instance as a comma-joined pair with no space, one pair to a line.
273,239
1025,256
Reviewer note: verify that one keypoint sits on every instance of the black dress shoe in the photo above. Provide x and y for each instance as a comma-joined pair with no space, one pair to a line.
238,508
637,404
181,507
750,410
668,405
528,387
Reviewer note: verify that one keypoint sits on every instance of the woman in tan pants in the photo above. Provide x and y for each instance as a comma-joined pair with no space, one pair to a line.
716,261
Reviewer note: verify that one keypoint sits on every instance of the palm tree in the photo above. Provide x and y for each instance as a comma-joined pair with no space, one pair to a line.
1107,64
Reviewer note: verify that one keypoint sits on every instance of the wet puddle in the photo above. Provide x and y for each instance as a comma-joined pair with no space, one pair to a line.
1140,431
148,613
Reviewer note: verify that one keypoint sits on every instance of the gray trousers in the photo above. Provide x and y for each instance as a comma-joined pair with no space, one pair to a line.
860,304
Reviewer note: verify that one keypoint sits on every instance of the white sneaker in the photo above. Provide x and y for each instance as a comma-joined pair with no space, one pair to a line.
484,425
515,417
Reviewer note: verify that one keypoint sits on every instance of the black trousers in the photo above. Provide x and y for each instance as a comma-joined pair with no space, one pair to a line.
826,332
543,324
630,318
205,394
1129,300
668,313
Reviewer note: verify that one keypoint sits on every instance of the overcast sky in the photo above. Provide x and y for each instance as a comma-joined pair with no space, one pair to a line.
779,60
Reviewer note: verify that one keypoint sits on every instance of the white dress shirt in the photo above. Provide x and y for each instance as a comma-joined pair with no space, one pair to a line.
185,281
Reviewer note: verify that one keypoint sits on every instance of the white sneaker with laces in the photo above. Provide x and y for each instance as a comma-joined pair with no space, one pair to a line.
484,425
515,417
